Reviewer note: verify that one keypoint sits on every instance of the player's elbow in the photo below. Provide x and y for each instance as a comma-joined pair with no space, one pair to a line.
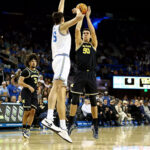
60,10
20,82
77,30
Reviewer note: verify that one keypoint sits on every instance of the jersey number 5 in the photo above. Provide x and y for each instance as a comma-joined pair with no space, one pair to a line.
54,36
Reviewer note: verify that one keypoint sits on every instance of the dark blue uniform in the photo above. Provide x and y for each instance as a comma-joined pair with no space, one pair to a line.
85,78
31,78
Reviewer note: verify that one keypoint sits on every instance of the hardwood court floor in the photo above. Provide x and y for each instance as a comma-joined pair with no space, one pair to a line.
115,138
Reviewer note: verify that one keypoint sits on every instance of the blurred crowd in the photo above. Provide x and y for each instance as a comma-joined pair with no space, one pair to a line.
111,111
123,49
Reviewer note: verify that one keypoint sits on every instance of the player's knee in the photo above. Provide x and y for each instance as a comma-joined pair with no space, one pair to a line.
75,99
32,112
26,113
93,100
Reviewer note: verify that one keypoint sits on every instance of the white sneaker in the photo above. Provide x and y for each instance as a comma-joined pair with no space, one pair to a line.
49,124
64,134
129,119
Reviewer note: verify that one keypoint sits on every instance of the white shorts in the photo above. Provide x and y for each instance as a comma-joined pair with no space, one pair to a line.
61,68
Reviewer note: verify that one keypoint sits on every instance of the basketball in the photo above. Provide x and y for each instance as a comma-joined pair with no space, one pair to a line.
82,7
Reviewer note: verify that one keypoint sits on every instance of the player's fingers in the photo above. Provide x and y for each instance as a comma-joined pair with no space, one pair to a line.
89,8
74,10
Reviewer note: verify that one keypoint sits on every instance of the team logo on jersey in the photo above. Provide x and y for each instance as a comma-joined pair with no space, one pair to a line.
23,101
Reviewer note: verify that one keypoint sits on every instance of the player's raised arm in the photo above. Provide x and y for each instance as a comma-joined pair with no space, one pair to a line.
91,28
78,39
61,6
65,26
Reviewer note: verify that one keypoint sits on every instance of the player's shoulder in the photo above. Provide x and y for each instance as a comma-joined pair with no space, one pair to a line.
56,27
26,69
25,72
94,48
78,46
37,71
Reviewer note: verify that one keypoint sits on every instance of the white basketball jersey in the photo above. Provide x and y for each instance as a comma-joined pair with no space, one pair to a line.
61,44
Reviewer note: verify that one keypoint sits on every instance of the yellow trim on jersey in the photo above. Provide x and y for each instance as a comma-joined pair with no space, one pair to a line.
33,70
26,106
92,94
29,73
85,43
76,92
32,76
34,106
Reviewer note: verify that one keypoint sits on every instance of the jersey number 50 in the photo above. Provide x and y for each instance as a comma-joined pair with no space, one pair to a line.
86,50
54,36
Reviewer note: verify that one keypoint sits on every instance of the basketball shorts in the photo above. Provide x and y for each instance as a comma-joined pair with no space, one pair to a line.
84,83
29,100
61,68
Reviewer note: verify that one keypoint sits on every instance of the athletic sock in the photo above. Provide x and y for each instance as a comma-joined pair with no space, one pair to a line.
28,127
50,114
71,120
24,126
95,122
63,124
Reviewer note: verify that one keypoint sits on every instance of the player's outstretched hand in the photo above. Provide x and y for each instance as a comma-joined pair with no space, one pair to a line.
76,11
88,13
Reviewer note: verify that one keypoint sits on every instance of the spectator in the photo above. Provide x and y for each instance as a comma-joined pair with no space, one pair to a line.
14,90
122,115
45,93
106,97
13,99
101,115
19,99
10,88
136,113
107,115
86,109
42,109
147,111
141,107
114,114
4,93
126,109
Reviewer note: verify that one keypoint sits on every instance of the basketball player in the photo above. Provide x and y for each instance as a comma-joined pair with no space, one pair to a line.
85,78
61,44
28,80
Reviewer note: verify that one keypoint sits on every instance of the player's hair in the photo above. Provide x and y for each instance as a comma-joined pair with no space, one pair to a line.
57,16
30,57
85,29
